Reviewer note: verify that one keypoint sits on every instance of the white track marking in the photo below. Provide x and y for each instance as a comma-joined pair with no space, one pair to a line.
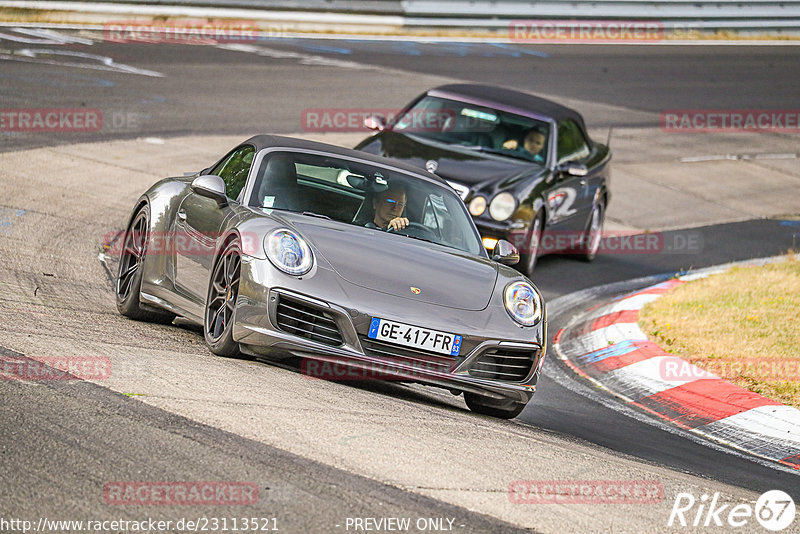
32,55
43,37
303,59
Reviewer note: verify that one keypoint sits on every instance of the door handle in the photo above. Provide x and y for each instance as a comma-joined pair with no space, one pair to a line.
182,215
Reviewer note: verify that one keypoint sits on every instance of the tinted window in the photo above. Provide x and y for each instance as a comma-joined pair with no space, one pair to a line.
234,170
474,127
571,143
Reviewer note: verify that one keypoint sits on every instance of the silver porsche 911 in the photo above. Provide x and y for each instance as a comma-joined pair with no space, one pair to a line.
344,259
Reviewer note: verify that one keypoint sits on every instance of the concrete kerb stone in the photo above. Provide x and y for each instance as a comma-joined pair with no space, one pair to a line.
606,346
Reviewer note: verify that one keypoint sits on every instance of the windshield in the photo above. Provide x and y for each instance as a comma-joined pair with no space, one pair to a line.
358,193
477,128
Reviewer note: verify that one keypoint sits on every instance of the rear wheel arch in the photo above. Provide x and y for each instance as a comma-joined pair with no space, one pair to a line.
141,203
127,289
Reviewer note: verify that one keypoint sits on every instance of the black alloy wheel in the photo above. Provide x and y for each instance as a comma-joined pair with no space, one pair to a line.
223,291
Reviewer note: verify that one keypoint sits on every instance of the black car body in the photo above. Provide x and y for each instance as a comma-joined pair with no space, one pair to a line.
553,201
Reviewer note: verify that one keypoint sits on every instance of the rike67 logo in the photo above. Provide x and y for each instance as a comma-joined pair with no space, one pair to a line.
774,510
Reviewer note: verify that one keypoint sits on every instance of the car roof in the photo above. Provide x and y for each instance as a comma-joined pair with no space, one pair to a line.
492,94
280,141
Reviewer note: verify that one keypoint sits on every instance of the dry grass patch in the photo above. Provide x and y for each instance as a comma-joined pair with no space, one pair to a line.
741,325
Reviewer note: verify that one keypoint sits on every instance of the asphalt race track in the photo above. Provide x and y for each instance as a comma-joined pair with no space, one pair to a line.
323,452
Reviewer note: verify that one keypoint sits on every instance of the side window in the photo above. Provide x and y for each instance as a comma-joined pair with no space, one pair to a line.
234,170
571,143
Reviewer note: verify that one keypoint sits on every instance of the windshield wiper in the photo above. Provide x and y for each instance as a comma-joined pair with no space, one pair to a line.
319,215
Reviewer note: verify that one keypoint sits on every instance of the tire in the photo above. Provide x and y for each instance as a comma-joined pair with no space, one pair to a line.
128,286
484,406
528,259
590,240
223,289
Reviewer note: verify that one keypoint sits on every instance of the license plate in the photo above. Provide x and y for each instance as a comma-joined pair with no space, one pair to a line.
414,336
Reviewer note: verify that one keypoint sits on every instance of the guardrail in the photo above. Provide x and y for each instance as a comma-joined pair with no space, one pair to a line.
673,14
372,7
604,9
495,15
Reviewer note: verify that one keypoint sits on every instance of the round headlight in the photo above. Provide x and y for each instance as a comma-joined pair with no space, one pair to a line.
502,206
477,206
523,303
288,252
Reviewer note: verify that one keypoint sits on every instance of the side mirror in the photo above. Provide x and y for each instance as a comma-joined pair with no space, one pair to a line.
356,182
211,186
505,253
572,169
375,122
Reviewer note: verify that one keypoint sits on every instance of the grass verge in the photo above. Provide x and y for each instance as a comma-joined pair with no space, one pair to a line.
741,325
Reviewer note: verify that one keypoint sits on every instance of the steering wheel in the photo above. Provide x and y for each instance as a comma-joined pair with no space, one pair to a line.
415,229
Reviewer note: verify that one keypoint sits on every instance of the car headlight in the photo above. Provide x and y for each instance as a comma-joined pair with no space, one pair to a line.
523,303
502,206
288,252
477,205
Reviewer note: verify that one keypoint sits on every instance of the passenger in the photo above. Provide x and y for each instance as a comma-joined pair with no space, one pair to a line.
389,206
533,144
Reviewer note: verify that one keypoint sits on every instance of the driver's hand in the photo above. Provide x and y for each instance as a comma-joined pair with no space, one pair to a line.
398,223
511,144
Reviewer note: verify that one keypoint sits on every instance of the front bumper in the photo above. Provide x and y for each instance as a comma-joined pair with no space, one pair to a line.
261,331
513,231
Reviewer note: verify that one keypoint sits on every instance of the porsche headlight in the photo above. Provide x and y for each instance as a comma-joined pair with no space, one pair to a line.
288,252
523,303
502,206
477,205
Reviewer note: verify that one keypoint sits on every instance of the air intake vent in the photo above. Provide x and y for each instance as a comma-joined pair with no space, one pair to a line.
300,319
504,364
418,358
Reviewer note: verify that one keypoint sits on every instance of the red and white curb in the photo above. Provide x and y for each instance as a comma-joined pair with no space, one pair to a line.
606,346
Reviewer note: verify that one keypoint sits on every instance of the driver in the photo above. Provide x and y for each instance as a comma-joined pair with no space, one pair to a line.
389,206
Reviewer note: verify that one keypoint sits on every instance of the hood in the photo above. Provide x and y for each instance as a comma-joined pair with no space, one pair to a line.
393,264
459,165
